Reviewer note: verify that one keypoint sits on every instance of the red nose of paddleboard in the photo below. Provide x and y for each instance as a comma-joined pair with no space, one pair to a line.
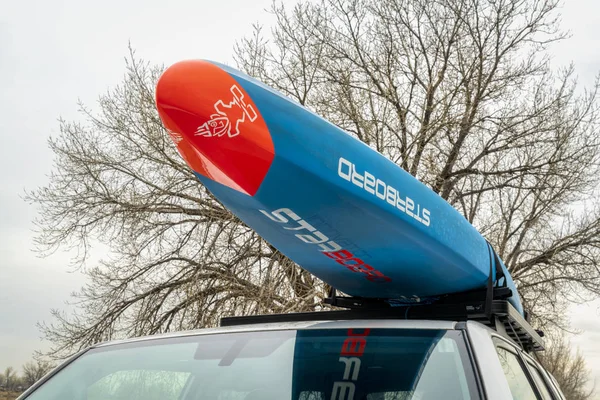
217,128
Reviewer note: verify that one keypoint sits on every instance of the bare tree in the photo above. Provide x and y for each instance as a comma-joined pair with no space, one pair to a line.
460,94
34,371
567,367
457,92
179,259
9,378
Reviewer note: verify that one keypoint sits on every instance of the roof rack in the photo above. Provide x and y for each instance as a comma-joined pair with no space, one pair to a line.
489,306
498,314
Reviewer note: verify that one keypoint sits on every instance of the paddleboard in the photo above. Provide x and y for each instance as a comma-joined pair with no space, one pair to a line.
326,200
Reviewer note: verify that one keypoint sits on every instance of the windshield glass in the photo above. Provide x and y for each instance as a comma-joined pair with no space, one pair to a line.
319,364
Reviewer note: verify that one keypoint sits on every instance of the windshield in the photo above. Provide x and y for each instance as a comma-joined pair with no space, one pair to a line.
312,364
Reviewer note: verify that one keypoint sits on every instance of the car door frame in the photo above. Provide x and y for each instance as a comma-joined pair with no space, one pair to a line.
549,380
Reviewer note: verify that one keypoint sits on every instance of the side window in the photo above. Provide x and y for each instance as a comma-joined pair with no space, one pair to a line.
516,376
540,382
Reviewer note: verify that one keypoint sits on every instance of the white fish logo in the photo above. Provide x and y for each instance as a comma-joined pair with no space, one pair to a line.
220,123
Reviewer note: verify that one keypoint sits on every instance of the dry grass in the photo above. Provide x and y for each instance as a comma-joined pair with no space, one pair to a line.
9,395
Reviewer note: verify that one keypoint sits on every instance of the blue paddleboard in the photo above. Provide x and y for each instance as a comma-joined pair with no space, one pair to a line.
338,208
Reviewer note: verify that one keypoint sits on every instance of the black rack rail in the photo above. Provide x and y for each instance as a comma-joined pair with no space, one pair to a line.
488,306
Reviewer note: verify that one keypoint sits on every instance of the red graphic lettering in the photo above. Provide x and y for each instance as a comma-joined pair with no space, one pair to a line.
355,264
338,254
354,346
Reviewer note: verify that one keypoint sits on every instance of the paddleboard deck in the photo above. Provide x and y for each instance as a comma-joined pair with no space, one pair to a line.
326,200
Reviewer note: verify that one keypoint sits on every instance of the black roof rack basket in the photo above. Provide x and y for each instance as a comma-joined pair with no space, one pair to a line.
495,312
489,306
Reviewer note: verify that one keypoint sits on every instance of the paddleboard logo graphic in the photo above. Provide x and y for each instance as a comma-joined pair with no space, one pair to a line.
221,123
367,181
329,248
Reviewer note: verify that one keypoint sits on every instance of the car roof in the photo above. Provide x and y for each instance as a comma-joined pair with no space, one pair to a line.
342,324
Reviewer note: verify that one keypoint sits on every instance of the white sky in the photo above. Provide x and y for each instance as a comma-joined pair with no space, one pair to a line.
54,52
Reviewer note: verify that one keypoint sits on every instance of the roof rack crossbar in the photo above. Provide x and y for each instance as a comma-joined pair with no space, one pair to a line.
484,306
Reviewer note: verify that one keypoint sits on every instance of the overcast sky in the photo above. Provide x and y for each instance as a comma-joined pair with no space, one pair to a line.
54,52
